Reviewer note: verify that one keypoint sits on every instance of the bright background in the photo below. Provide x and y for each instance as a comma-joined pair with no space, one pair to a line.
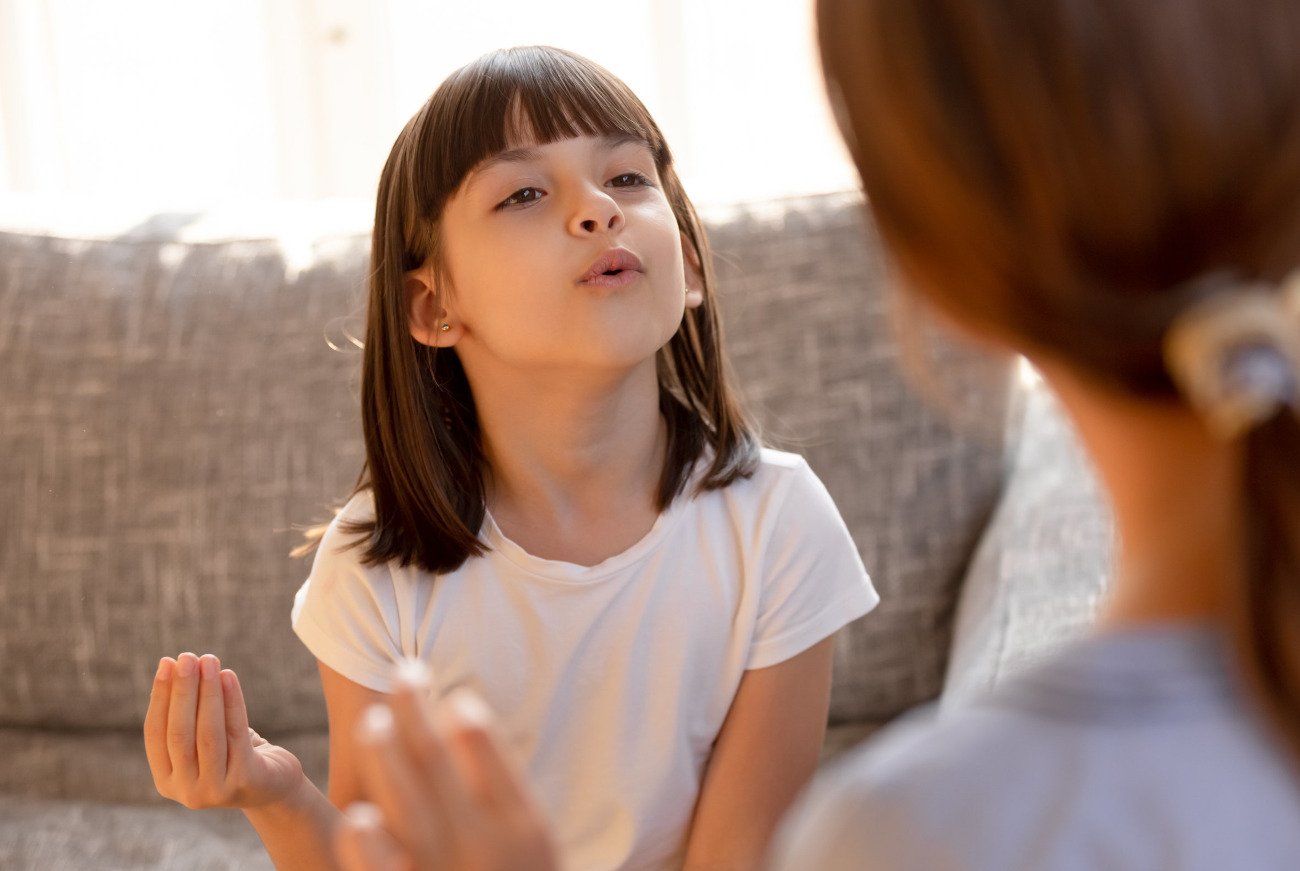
181,103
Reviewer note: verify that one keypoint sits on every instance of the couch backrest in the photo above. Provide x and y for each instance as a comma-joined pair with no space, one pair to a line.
911,449
172,414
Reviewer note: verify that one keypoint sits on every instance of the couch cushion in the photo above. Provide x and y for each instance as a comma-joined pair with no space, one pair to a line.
1044,563
66,835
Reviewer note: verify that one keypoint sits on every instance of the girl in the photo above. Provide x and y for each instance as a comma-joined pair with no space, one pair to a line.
563,508
1112,188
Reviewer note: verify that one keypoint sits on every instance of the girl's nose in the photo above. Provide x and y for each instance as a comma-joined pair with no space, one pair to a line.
597,213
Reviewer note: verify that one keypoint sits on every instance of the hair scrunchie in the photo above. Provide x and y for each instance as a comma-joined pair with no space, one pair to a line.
1235,353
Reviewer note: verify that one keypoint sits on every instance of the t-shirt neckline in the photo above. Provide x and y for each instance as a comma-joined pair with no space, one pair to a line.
573,573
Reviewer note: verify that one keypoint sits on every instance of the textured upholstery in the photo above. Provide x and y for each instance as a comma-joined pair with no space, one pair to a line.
1044,562
91,836
170,412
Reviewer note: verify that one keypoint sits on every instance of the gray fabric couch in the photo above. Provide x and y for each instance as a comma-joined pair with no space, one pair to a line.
179,401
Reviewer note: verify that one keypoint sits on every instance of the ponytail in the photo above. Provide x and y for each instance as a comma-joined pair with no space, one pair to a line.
1266,612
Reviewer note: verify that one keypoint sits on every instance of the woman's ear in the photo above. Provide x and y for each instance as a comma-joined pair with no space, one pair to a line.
430,322
694,274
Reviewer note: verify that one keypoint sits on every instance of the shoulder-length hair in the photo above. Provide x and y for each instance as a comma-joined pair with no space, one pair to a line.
425,464
1061,172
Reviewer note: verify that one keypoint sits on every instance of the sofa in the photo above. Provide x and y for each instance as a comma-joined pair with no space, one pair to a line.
180,403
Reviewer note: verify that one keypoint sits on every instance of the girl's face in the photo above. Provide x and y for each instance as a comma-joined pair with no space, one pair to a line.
562,256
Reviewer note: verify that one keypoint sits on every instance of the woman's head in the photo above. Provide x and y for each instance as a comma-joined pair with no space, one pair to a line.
467,199
1064,175
1053,172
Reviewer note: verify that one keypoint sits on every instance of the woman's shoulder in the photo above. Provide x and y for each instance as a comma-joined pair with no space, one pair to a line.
1071,751
924,789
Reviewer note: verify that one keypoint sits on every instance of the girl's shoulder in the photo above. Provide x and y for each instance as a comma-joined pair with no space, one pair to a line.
342,542
774,469
360,508
776,461
777,477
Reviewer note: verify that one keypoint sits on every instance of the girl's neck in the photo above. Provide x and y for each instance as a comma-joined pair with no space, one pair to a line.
1173,490
575,460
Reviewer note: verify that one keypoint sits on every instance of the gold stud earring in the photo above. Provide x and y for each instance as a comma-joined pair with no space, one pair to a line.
446,328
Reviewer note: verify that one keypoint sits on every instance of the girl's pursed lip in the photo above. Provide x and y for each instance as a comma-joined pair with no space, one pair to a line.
618,279
613,260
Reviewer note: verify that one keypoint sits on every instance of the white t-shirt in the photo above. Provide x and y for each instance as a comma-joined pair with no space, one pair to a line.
612,680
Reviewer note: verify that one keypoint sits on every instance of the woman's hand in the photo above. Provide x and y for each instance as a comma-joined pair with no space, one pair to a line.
201,750
444,796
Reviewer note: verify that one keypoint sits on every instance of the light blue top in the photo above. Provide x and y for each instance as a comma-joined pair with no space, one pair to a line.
1126,751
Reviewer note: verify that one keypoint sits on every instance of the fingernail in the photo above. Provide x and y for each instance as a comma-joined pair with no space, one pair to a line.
228,681
185,665
376,723
208,666
164,669
469,708
365,815
414,674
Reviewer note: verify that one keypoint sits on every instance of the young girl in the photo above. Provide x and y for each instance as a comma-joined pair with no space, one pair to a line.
563,508
1112,188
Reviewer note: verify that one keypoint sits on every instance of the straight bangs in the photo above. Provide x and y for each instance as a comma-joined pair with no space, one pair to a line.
524,96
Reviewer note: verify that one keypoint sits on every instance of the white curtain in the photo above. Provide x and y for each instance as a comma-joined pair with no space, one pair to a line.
183,104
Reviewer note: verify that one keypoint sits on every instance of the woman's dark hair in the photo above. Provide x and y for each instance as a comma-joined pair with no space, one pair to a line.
1058,172
425,464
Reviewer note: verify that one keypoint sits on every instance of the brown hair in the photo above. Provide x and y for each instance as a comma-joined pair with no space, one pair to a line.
424,459
1058,171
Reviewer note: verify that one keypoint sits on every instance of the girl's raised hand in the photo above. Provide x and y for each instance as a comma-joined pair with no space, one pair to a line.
444,795
201,750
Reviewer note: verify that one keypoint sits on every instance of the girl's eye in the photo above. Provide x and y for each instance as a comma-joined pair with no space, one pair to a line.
521,197
629,180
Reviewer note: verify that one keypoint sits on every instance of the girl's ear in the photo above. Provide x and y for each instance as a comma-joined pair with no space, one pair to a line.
430,322
694,274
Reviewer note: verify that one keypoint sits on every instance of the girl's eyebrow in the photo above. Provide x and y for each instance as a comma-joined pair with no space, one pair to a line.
524,155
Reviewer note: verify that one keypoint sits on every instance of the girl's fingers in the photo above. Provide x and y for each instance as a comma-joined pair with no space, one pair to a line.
360,844
238,733
401,790
155,722
181,711
210,722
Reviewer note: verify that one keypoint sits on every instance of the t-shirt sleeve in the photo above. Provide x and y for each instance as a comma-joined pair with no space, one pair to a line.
813,579
346,613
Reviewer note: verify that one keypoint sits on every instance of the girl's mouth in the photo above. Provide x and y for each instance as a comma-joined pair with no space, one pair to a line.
612,278
614,268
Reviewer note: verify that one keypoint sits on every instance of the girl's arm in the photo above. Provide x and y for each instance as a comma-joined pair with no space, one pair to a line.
298,833
203,754
765,753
